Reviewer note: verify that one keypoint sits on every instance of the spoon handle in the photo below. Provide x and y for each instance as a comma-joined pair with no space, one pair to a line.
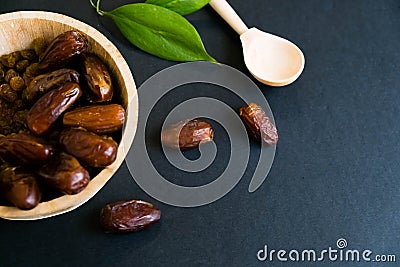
229,15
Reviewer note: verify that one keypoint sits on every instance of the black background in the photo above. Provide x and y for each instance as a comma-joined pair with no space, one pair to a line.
336,170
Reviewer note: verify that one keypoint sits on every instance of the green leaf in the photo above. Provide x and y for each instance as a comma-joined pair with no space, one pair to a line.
182,7
160,32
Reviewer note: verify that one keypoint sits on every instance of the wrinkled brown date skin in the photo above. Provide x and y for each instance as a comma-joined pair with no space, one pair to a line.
187,134
20,187
128,216
44,113
98,78
258,124
62,49
100,119
90,148
46,82
25,149
65,173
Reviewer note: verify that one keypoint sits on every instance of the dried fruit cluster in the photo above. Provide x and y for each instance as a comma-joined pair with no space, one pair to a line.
67,119
16,71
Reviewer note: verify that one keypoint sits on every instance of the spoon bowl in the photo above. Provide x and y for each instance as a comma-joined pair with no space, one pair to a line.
271,59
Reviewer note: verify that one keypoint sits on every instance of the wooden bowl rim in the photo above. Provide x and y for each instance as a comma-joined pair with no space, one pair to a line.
68,203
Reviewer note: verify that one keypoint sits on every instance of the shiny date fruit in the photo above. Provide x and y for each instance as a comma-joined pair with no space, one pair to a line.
100,119
20,187
98,78
258,124
25,149
90,148
45,112
129,216
62,49
46,82
65,173
187,134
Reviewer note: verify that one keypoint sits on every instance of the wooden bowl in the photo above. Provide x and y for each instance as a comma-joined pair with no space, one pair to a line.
17,30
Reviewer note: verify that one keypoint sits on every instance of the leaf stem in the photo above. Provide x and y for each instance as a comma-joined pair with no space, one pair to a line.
97,7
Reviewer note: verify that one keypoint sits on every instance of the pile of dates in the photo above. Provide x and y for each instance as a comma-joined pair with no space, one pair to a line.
71,124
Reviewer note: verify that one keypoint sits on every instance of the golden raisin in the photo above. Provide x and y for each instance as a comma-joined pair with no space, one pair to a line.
39,46
9,60
10,74
7,93
2,72
31,72
22,65
29,54
17,83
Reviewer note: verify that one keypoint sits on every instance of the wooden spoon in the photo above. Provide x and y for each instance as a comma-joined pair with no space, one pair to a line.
270,59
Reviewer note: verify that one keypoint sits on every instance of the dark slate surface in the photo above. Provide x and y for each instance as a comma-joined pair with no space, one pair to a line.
336,170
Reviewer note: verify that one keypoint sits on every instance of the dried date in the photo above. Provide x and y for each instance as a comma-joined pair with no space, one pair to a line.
187,134
90,148
62,49
20,187
100,119
258,124
46,82
65,173
45,112
129,216
98,78
25,149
